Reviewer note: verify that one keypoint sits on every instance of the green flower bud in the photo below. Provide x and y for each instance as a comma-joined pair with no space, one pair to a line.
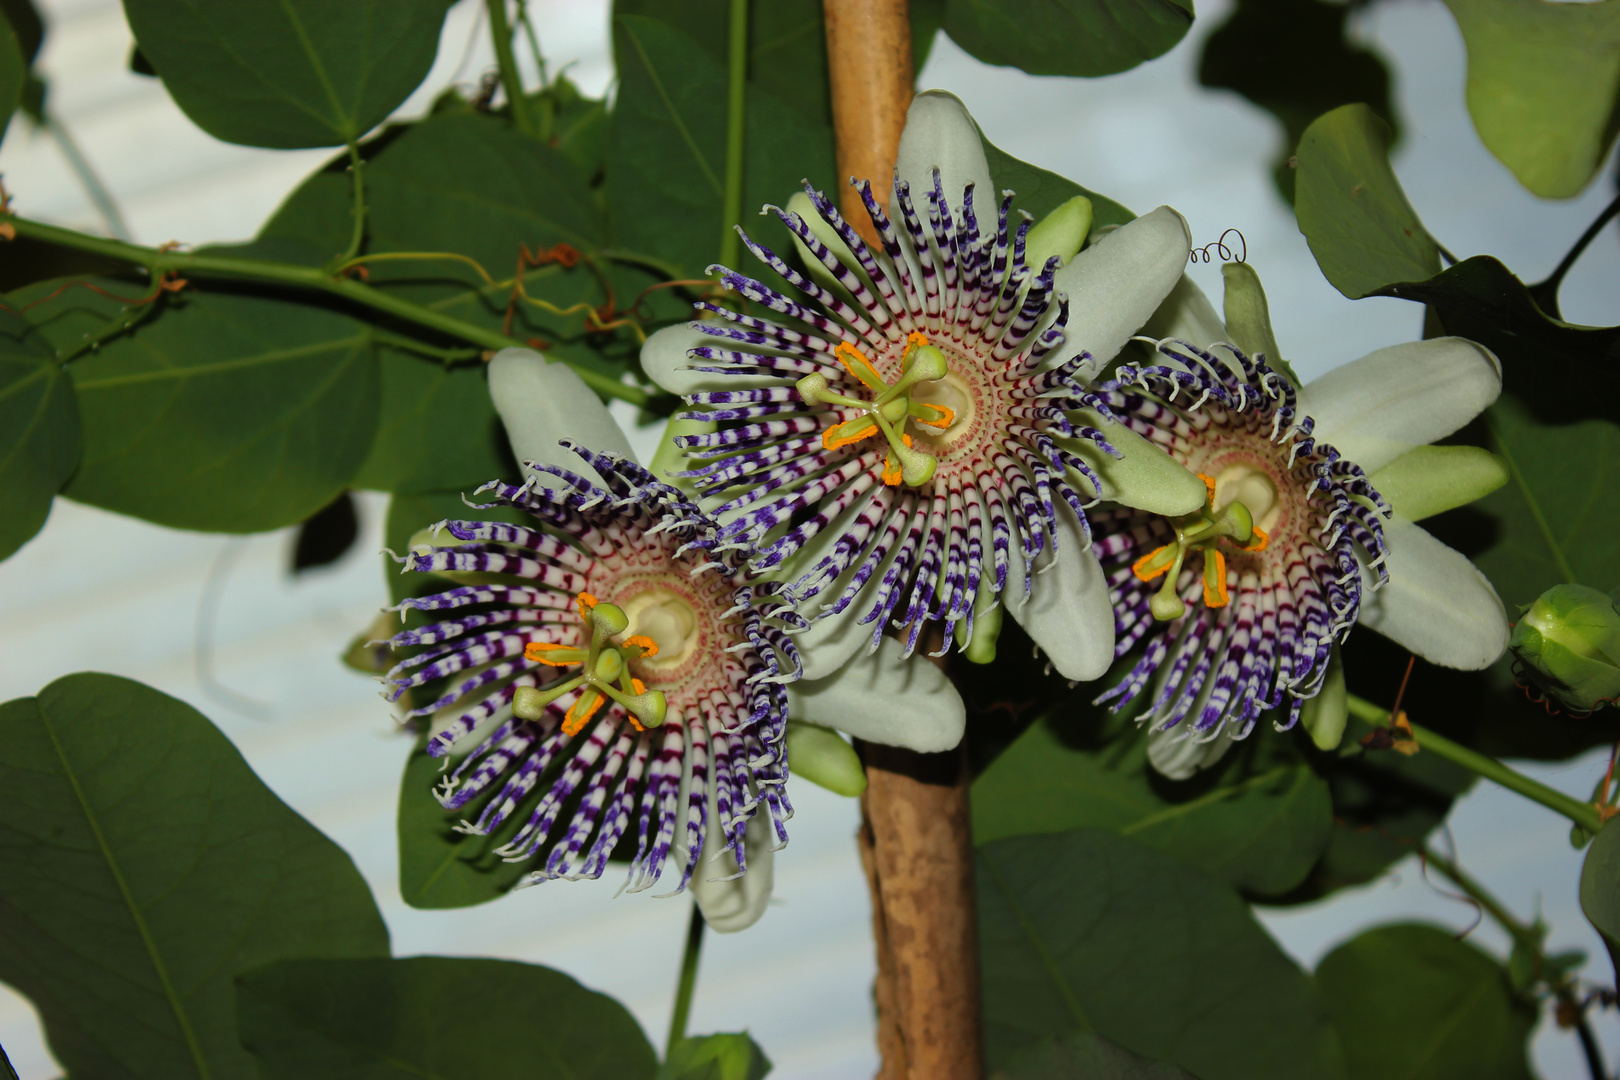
1568,647
821,756
1062,233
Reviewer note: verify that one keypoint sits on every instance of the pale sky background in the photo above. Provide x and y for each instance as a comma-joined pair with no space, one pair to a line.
98,592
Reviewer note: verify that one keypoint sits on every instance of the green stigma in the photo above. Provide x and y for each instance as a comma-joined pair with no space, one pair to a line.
890,409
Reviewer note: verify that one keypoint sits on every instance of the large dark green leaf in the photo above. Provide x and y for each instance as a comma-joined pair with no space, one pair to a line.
1600,889
39,433
13,72
1294,58
1543,86
288,73
1040,192
728,1056
1067,37
144,865
667,148
1411,1002
221,411
1357,220
434,1016
1083,1055
787,44
1089,930
1258,822
438,430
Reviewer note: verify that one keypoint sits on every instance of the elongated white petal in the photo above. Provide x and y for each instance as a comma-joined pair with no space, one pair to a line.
1186,314
541,402
735,904
1429,480
884,698
664,359
1177,755
1436,603
940,134
1068,613
1116,284
1377,408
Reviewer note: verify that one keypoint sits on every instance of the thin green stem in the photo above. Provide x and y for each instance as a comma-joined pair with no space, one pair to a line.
688,980
1517,930
357,170
1583,814
548,104
500,31
158,262
736,118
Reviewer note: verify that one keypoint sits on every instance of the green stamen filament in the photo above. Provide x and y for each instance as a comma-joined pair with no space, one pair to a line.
888,412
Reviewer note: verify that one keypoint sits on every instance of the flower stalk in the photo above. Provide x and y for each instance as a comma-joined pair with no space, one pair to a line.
1583,814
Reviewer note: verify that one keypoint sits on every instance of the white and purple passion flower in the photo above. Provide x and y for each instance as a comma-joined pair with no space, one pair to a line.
600,653
1306,531
913,439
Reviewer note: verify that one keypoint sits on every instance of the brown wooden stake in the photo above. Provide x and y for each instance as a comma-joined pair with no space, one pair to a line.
869,57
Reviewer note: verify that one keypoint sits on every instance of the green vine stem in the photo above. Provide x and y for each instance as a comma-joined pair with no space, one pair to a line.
357,168
1583,814
688,980
736,117
158,262
500,32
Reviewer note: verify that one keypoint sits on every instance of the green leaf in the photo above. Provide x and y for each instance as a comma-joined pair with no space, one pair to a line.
1258,822
1412,1001
1383,802
1357,220
667,149
434,1016
1040,192
1294,59
288,73
438,429
729,1056
1083,1055
26,23
1089,930
220,411
1067,37
1600,889
1543,86
39,433
787,45
142,865
13,72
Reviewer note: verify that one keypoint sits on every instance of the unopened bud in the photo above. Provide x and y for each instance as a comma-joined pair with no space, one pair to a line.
1568,646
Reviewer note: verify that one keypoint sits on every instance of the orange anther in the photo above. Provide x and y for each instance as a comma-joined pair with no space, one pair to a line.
1259,542
946,419
832,440
916,339
586,602
1209,482
647,645
1142,567
637,685
1216,597
847,354
537,650
583,708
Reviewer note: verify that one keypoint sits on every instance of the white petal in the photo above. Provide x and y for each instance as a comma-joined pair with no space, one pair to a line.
1116,284
885,698
940,134
737,904
1177,755
1377,408
1068,613
1186,314
664,359
541,402
1437,603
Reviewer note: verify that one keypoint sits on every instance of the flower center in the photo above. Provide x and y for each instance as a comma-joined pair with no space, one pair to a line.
604,672
1253,488
667,620
953,397
892,407
1224,517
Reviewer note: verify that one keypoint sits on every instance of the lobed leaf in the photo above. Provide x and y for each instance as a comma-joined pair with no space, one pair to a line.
142,865
434,1016
288,73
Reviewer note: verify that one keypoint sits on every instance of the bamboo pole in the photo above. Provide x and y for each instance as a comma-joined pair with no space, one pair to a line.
869,57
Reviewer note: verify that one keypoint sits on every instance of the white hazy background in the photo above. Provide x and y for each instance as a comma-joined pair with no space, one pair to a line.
95,591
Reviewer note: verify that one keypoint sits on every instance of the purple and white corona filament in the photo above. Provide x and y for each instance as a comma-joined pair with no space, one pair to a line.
1237,606
609,660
